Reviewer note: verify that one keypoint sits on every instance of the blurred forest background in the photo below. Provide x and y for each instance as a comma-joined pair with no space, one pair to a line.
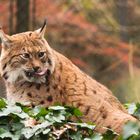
100,36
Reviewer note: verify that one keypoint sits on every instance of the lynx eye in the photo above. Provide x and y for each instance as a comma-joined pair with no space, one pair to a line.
25,55
41,54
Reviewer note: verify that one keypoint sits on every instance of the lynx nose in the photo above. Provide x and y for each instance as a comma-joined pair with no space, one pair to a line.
36,69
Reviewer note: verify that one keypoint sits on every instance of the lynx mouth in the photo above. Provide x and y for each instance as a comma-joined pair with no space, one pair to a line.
42,72
32,73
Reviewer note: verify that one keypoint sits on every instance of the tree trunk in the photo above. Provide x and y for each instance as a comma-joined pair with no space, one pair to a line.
34,14
125,10
22,15
11,16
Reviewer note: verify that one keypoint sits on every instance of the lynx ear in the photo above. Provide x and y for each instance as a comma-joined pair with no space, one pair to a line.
4,38
41,31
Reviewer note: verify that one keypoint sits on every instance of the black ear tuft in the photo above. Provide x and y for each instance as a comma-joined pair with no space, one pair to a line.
44,24
41,31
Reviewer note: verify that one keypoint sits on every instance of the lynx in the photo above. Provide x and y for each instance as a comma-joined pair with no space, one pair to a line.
34,72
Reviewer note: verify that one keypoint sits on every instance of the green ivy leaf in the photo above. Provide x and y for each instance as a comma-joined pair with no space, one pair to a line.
38,111
77,112
37,129
2,103
94,137
131,108
130,129
46,131
74,111
12,109
76,135
56,108
84,125
55,118
110,135
6,134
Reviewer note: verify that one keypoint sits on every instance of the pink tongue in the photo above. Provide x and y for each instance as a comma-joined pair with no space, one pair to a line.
43,72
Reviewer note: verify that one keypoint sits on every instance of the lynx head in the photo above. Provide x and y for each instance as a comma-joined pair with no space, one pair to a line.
26,56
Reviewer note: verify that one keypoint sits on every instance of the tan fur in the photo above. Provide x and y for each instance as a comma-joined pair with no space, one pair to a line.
67,84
